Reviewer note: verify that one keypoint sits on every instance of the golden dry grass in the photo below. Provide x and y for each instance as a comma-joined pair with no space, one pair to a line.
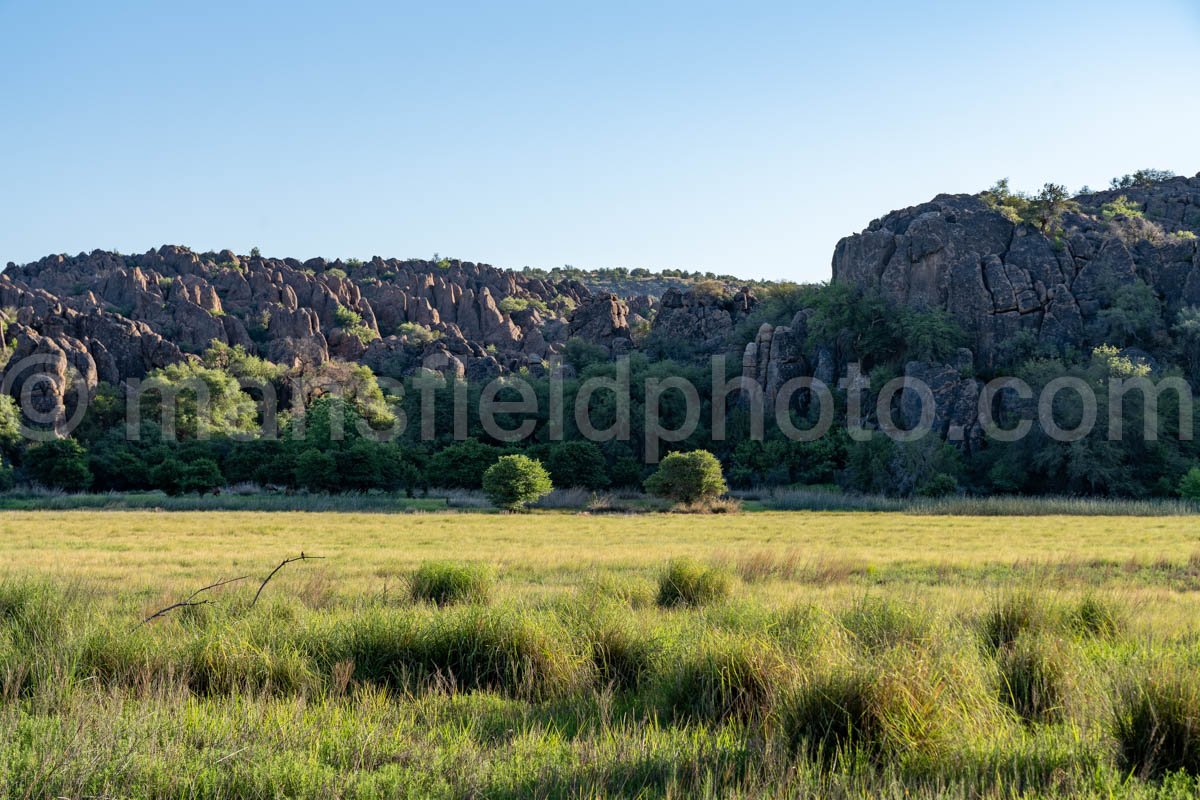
783,557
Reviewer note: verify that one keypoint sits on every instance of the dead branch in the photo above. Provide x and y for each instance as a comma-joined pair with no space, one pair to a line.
282,564
190,600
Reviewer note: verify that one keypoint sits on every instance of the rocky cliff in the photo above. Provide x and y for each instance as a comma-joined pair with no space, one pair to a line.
108,317
999,277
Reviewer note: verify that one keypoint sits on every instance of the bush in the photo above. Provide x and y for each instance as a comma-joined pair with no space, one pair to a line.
687,582
316,471
443,583
1158,722
461,465
728,678
688,477
577,464
1189,487
201,476
59,464
515,481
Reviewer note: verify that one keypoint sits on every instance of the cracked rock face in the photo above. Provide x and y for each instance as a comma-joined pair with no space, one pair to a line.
998,278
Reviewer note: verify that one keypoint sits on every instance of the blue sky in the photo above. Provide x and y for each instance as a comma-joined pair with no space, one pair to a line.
739,138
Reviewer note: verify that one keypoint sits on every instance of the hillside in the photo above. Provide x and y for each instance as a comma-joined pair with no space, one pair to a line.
952,292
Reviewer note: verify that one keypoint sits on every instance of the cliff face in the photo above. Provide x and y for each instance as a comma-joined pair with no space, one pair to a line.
107,317
999,278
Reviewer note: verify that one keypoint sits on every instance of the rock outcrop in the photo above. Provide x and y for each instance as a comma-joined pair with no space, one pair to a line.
701,318
999,278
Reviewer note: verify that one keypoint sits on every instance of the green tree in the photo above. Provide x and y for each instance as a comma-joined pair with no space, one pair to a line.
461,465
1189,487
688,477
6,475
59,464
206,401
577,464
201,476
316,471
515,481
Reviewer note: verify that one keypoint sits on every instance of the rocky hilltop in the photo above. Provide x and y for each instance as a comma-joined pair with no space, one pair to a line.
1000,276
1004,277
111,317
1053,286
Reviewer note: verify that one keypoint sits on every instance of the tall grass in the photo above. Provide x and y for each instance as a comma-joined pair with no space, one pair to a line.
799,499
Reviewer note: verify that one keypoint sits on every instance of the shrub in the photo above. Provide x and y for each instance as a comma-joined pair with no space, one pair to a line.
461,465
444,582
577,464
316,470
1189,487
201,476
515,481
688,477
1121,207
688,582
59,464
417,334
1158,721
728,678
940,485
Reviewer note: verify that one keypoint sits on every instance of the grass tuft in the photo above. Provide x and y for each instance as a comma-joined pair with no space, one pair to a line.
879,624
688,582
1157,724
1035,673
1015,614
728,677
446,582
623,656
1098,617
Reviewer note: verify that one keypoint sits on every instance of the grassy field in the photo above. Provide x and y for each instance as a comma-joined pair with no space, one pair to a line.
563,655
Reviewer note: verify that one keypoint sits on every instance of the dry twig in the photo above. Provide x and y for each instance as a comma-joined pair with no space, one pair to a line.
282,564
190,600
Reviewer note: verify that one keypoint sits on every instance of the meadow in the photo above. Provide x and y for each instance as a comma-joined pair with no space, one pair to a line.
766,654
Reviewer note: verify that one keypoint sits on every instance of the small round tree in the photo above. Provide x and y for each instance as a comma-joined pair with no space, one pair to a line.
688,477
1189,487
513,482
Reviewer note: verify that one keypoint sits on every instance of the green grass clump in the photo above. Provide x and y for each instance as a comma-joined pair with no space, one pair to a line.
911,703
1035,677
446,582
1014,614
1157,724
504,650
688,582
880,624
623,655
1099,617
33,611
727,677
